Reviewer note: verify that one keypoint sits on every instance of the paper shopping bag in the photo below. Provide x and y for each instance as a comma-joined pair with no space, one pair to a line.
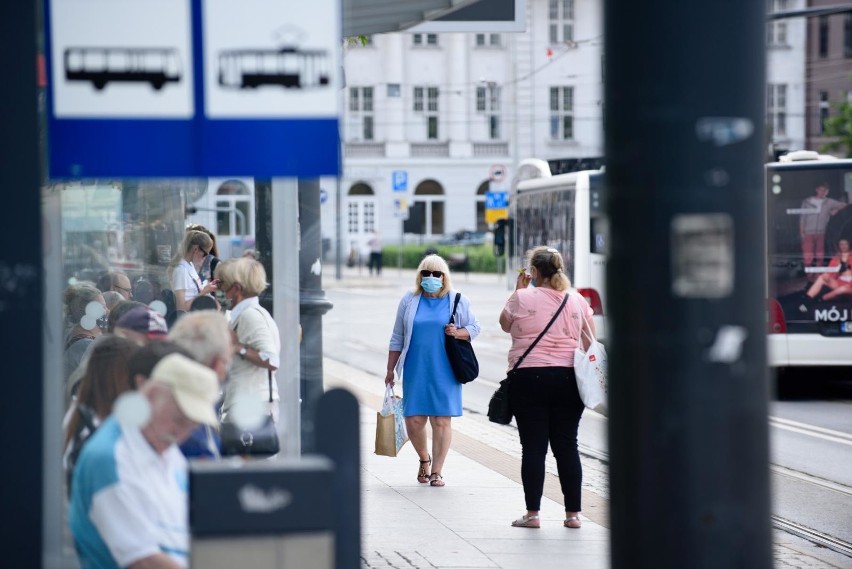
390,425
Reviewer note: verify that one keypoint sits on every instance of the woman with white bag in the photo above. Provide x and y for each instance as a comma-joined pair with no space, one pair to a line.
543,388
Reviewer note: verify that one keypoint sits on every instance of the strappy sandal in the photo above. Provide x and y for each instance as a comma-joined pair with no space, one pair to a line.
572,522
422,475
527,521
435,479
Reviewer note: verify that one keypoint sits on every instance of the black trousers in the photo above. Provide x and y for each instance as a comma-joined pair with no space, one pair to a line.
547,408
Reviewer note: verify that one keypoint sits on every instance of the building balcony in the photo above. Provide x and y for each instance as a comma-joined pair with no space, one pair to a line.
430,149
481,149
364,150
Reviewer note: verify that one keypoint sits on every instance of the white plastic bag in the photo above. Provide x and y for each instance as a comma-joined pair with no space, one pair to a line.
590,367
390,425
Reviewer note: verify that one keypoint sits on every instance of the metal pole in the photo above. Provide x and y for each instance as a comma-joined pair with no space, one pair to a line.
688,420
285,301
312,304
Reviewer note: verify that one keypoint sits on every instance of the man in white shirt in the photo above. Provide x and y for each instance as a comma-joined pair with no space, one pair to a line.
129,499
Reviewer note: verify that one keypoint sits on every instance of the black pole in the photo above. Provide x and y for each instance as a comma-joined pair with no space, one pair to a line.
684,102
263,234
21,304
312,305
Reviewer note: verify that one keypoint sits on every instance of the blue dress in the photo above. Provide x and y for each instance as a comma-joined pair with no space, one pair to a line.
429,386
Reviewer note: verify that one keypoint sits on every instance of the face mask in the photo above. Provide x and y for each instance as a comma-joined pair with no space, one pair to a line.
431,284
224,301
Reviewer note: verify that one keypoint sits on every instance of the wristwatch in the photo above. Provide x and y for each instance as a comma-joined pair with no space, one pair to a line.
242,352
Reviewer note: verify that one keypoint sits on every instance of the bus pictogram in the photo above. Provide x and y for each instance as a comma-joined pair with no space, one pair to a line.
103,65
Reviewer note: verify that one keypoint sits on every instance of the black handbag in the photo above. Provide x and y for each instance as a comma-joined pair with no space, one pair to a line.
460,353
262,441
499,406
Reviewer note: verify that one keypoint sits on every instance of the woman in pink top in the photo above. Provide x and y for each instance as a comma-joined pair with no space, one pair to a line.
543,390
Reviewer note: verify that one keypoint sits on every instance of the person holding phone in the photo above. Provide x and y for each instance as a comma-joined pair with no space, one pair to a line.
417,354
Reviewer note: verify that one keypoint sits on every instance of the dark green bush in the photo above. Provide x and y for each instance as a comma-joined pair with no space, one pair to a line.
480,257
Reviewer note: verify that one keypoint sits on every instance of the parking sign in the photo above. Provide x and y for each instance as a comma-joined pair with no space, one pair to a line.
399,180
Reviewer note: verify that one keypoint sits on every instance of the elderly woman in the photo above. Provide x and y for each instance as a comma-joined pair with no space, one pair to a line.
242,280
183,270
418,356
543,391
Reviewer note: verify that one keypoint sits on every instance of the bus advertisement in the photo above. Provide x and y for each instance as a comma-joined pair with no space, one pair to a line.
809,224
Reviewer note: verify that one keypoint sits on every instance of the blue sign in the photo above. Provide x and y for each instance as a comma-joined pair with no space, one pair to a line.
496,200
192,88
399,180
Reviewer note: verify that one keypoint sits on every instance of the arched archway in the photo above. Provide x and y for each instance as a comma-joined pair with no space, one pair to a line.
428,208
234,212
483,189
361,216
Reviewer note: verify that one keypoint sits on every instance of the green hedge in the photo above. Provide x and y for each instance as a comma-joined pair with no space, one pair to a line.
480,257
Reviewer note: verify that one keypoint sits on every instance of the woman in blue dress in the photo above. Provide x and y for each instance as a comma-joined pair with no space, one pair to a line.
417,355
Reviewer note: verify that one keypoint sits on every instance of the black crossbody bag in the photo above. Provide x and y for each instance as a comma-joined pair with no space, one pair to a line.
499,407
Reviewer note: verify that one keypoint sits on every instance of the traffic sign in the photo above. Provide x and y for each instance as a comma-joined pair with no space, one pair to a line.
496,200
399,180
192,88
400,208
497,173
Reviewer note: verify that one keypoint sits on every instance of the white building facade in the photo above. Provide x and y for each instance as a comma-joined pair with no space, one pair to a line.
786,90
431,122
452,113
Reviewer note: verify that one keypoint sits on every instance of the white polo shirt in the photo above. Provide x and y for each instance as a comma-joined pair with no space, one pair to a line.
127,501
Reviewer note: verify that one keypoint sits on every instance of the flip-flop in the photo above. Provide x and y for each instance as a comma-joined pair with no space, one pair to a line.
422,477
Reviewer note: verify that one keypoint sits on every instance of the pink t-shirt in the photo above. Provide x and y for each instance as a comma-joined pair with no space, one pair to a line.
529,310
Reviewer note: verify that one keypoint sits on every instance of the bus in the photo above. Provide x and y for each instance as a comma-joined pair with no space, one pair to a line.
566,212
809,224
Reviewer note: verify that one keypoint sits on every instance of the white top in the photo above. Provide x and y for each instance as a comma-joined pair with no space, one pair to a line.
256,329
186,278
127,501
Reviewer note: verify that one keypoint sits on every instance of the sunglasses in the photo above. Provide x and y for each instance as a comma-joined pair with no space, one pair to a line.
436,274
203,251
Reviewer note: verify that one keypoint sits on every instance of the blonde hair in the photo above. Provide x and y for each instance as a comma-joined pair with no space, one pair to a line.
243,271
192,239
548,262
433,263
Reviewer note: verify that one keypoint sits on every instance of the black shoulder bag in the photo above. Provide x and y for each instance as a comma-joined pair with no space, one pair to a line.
499,407
460,353
262,441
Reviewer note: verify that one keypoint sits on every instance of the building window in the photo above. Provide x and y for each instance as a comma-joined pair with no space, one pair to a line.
562,113
823,36
492,40
561,16
488,104
847,35
776,107
394,90
361,111
824,109
425,39
426,103
776,31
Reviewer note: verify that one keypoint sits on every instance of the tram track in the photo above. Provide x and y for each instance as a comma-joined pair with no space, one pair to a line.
814,536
